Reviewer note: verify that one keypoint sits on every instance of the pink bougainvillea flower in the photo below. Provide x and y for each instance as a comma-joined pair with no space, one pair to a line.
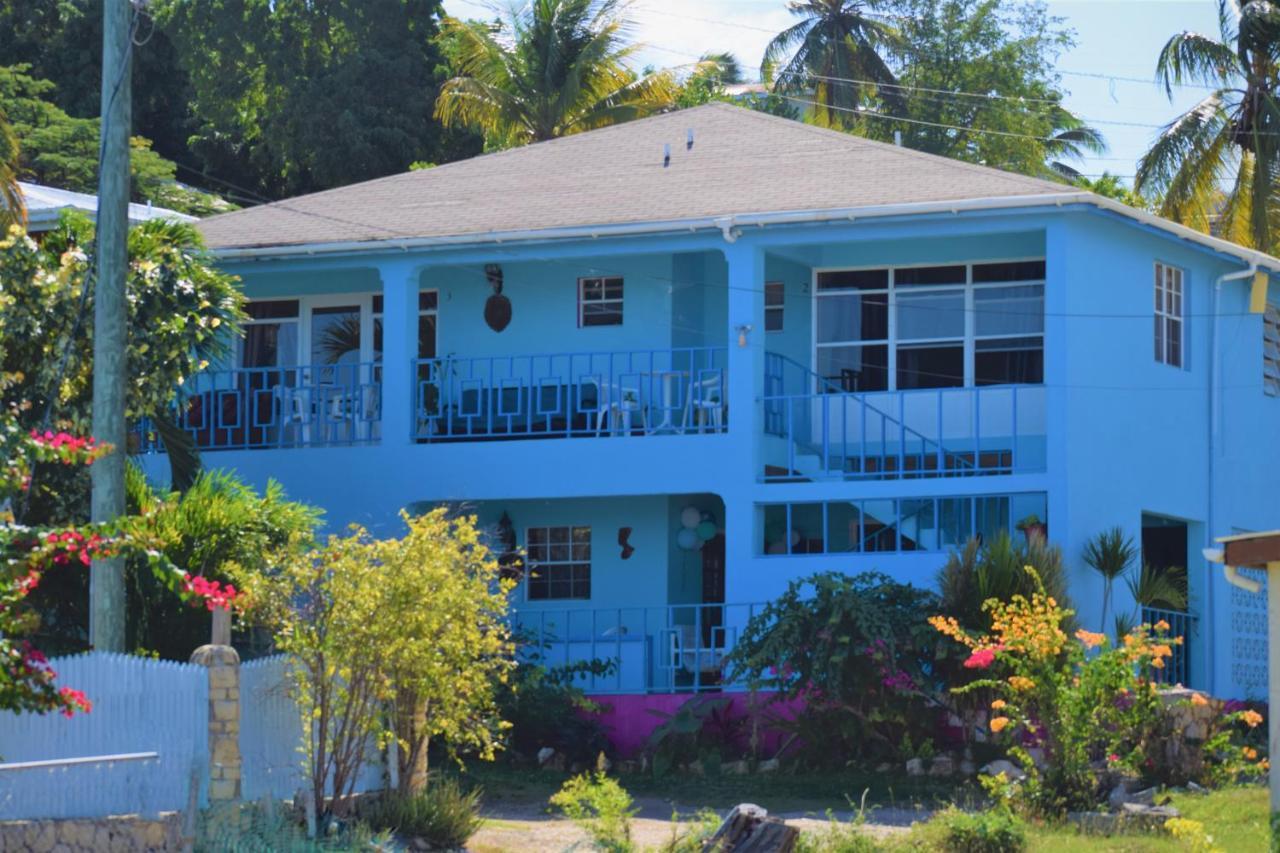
980,659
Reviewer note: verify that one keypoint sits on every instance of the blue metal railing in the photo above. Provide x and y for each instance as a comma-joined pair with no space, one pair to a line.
831,433
1177,669
640,392
660,649
257,407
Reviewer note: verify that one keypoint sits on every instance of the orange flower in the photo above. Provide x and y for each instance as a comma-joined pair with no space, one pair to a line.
1090,639
1021,682
1199,699
1264,764
1161,625
1251,718
1162,651
998,723
997,705
1158,663
1250,753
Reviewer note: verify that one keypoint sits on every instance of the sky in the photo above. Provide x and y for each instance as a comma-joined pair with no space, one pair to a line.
1114,39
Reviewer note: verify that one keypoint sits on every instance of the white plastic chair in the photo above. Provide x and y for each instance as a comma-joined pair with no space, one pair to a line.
690,655
705,404
294,405
618,404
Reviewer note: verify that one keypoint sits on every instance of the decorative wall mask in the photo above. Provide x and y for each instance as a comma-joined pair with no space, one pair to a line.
497,308
510,562
624,533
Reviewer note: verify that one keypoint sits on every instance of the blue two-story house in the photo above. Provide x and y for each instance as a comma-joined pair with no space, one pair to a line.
682,361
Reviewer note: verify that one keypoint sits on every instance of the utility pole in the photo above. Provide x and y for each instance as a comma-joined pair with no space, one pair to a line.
106,577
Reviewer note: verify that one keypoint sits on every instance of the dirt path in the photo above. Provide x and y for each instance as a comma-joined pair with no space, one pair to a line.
528,828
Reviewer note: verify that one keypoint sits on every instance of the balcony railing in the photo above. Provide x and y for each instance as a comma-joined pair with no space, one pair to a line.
253,407
630,393
1177,669
829,433
662,649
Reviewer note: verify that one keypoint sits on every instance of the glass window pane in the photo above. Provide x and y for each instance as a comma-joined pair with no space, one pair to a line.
558,535
806,529
1023,506
602,314
918,528
773,319
775,529
272,309
853,280
1008,271
853,317
335,335
773,293
955,521
1009,310
1006,361
844,528
427,300
592,288
880,525
931,366
855,368
991,516
923,276
377,303
931,315
426,335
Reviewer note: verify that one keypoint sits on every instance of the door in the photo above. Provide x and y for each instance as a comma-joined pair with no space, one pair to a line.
713,590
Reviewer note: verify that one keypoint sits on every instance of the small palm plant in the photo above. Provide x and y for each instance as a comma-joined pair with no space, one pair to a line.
1109,553
1160,588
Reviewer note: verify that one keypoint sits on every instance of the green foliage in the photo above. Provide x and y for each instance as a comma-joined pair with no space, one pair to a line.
601,807
289,96
703,729
1164,588
1110,186
691,836
12,207
254,827
995,569
1109,553
364,637
993,831
443,815
857,649
546,709
552,68
707,80
1215,165
62,151
838,837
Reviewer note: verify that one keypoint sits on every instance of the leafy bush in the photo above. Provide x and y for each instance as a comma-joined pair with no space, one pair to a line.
994,569
546,709
994,831
601,807
691,836
703,729
1091,713
838,838
857,651
443,815
251,826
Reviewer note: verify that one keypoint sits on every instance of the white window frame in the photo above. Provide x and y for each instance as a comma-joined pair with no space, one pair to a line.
969,339
779,309
552,564
1271,350
374,316
603,300
1170,290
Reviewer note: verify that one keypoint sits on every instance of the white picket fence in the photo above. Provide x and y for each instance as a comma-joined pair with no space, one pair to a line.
146,740
139,706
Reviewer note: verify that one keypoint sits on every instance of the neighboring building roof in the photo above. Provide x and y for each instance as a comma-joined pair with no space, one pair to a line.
45,203
743,165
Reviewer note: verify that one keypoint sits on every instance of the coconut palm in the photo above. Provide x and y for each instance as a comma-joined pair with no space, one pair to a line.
1219,161
12,208
1070,139
1109,553
553,68
835,43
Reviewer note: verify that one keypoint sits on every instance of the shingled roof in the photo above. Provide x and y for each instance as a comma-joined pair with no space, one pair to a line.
741,162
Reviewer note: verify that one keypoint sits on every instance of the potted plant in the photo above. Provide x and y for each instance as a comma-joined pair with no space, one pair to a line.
1033,528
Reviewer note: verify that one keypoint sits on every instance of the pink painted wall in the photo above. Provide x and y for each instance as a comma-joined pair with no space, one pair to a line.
628,721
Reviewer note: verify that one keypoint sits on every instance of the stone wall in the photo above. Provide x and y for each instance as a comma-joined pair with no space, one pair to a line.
103,835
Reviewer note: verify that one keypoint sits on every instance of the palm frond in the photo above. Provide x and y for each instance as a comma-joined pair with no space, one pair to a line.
1164,589
1110,553
1192,58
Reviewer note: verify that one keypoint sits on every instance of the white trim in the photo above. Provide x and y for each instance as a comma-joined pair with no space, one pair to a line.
761,219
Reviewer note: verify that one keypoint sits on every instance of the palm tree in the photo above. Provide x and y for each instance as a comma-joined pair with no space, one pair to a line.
1220,159
724,66
553,68
1070,139
834,44
12,207
1110,553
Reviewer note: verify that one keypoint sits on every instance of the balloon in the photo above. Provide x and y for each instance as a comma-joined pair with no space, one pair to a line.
687,540
690,516
705,530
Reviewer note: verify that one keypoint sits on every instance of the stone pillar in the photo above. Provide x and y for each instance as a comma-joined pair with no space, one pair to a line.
223,664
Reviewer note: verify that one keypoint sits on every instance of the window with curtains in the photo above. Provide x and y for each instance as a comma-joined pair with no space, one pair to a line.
270,334
949,325
1168,315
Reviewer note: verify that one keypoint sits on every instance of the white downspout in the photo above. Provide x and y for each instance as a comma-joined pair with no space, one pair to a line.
1211,492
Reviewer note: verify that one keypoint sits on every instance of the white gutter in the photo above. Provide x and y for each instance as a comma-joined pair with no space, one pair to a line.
731,225
1232,573
1215,427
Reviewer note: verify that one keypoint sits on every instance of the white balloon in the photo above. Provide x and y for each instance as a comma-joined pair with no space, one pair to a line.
690,516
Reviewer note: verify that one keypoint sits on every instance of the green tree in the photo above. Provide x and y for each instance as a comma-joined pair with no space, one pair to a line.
292,96
977,84
555,68
1231,137
1108,185
61,151
833,56
12,207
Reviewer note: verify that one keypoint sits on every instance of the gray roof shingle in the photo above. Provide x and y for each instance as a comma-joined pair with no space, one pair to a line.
741,162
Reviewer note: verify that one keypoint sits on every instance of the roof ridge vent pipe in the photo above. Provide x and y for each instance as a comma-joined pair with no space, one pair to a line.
666,154
688,139
897,138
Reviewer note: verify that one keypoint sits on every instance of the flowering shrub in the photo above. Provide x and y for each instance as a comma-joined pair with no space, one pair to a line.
1092,710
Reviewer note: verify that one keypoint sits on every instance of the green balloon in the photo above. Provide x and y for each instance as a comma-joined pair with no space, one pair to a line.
705,530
